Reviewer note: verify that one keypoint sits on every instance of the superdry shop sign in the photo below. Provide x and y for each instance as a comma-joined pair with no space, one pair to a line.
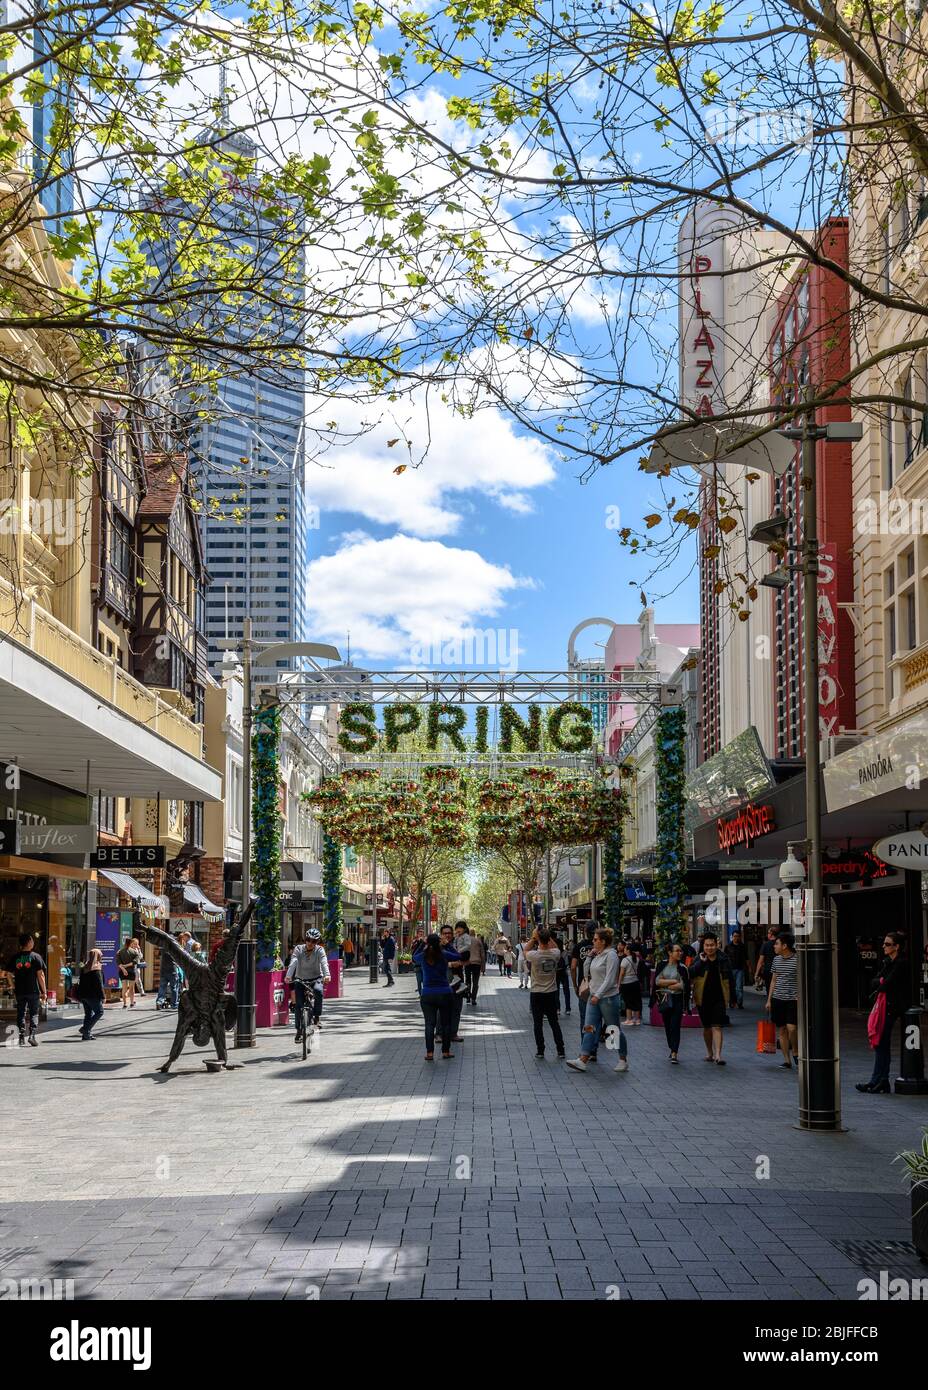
128,857
906,850
745,827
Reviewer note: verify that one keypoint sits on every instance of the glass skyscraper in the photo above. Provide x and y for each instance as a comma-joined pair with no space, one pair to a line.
245,439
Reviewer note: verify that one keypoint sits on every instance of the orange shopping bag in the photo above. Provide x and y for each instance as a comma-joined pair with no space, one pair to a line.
766,1036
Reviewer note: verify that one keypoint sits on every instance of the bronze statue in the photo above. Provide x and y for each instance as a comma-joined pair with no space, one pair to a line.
206,1008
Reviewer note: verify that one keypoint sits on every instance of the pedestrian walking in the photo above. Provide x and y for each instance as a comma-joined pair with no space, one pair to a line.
892,985
603,1001
348,952
503,949
783,994
522,969
563,976
671,995
90,992
418,944
308,972
168,983
712,984
737,954
435,961
29,973
765,961
474,964
582,950
388,951
127,960
541,958
630,986
455,978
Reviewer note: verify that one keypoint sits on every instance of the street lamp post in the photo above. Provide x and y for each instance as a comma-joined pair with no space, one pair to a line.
818,1060
245,960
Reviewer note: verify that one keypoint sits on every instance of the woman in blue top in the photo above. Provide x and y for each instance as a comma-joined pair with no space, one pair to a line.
436,997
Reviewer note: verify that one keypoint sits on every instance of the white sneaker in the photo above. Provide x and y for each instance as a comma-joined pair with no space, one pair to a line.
577,1066
621,1065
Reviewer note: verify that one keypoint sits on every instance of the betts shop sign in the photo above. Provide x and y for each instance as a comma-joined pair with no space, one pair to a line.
744,828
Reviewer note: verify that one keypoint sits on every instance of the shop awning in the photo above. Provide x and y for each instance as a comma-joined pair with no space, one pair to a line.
132,888
194,895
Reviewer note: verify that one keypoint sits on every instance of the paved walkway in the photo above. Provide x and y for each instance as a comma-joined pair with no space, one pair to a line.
368,1173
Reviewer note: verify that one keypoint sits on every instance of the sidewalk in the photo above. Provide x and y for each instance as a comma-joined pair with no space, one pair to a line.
366,1172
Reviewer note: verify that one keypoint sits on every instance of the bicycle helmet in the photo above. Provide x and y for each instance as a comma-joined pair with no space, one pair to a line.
314,934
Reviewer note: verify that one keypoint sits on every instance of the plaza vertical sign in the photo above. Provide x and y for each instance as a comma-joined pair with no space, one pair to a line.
701,268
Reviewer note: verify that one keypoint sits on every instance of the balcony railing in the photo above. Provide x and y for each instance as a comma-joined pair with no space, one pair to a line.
34,628
915,670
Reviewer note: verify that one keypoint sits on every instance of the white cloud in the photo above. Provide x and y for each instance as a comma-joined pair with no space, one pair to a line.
446,455
393,595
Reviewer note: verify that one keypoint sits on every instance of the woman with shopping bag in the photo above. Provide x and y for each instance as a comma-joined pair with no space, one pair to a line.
891,993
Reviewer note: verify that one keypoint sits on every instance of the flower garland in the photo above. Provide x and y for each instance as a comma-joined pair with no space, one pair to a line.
613,881
670,859
333,926
265,847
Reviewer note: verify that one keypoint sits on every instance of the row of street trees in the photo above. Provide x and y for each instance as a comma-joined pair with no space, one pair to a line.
486,197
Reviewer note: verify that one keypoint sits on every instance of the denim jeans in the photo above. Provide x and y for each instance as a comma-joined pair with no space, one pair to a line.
882,1054
582,1003
30,1002
93,1012
472,976
300,988
388,970
418,970
739,987
563,983
169,989
608,1011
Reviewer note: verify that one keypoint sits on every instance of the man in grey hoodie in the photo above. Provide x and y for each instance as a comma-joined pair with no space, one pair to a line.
601,979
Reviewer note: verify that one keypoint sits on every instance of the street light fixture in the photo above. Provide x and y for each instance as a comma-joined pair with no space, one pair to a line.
772,531
245,960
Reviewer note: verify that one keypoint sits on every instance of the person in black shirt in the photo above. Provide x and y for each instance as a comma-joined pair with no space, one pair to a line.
765,960
737,954
712,987
893,980
583,948
28,970
90,992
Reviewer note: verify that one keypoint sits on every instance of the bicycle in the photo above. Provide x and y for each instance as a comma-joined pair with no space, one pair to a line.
307,1020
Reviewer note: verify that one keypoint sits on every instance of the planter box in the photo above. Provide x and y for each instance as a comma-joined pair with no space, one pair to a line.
920,1218
271,1003
334,988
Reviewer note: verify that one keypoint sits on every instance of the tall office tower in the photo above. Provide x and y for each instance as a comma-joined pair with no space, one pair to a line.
52,157
245,427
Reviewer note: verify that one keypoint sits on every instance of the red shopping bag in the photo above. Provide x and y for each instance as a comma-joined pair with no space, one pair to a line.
766,1036
877,1021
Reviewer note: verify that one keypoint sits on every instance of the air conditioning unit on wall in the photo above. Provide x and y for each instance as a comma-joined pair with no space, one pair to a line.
840,743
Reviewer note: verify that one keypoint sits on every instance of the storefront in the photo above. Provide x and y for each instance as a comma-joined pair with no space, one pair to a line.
52,898
867,896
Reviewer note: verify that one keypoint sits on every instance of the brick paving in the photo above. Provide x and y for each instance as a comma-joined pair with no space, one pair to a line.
366,1173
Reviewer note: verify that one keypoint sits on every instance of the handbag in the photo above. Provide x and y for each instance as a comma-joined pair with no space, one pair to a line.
877,1021
665,1002
766,1036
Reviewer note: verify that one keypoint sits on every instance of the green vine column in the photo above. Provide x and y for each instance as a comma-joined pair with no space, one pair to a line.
265,842
670,875
613,881
332,891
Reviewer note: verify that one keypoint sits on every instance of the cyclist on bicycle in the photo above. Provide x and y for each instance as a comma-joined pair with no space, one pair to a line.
308,970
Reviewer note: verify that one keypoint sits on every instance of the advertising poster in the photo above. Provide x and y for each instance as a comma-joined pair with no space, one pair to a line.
109,933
